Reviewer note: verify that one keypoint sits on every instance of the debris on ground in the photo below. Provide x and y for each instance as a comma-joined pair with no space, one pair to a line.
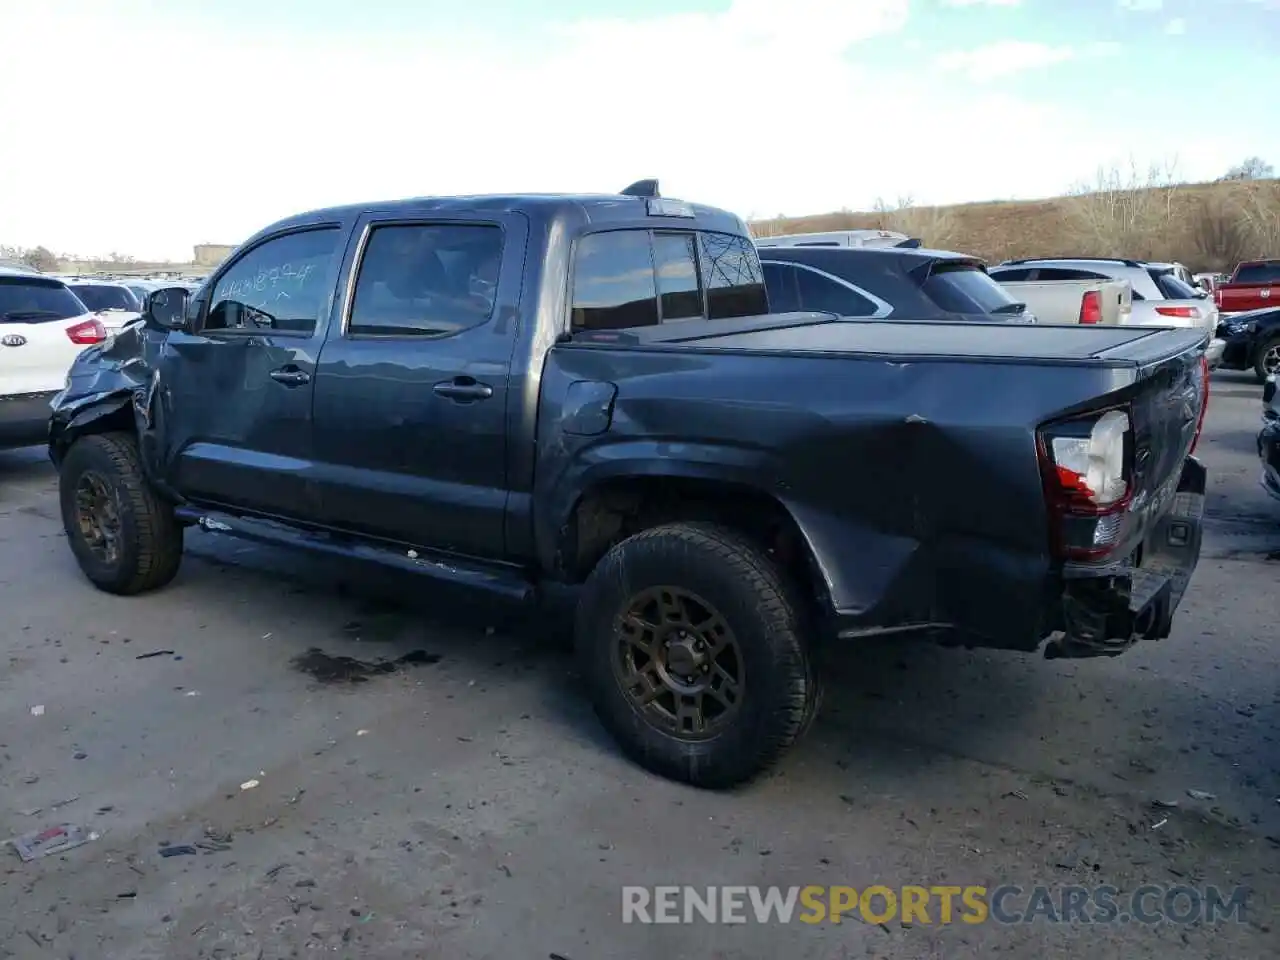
52,840
154,653
1201,795
1157,826
179,850
249,784
1165,804
38,710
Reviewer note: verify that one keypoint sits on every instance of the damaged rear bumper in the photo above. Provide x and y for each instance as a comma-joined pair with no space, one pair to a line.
1104,613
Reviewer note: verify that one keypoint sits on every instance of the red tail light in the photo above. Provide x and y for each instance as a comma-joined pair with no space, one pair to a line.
1187,313
1086,466
87,333
1204,399
1091,307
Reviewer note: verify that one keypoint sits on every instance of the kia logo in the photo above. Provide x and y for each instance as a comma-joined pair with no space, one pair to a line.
13,340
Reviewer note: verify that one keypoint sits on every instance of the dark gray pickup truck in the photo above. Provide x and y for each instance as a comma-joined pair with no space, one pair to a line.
502,392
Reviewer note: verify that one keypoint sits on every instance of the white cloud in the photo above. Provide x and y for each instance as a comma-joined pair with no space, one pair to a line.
150,135
1144,6
1008,57
981,3
1176,27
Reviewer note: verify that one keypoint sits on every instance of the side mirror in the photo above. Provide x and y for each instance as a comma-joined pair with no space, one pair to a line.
167,308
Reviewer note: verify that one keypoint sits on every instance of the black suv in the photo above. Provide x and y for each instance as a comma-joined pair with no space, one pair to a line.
882,282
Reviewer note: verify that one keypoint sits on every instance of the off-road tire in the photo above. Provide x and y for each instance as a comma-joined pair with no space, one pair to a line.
762,608
150,536
1260,357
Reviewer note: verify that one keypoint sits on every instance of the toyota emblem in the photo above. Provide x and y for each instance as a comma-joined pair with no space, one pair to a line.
13,340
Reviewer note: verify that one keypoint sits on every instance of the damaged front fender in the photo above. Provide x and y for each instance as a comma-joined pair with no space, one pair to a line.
111,386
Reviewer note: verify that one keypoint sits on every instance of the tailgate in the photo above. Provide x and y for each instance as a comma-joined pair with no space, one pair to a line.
1234,298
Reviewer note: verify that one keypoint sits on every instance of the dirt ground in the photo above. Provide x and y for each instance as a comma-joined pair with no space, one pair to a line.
465,804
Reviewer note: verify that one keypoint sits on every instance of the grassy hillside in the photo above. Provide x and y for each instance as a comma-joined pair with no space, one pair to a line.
1207,226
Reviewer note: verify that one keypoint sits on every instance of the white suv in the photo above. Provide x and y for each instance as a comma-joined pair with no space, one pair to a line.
43,328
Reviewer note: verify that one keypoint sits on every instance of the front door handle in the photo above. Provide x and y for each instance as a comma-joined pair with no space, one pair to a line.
463,389
291,376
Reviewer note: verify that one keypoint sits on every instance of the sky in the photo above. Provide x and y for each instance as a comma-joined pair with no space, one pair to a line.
147,127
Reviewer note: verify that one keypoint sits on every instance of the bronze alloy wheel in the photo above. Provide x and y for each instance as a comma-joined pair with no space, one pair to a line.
678,662
98,517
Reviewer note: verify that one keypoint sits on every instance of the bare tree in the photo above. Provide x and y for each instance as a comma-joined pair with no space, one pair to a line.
1126,213
1259,205
1254,168
1220,233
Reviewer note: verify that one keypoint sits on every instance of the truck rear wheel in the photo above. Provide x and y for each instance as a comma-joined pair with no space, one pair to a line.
123,535
691,641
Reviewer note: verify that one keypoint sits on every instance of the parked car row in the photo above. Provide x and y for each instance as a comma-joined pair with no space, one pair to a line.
510,392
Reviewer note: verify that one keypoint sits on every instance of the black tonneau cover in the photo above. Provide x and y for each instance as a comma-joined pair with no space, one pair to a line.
824,333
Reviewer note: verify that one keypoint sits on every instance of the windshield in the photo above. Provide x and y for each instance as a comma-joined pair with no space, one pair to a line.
1171,288
28,300
105,297
965,288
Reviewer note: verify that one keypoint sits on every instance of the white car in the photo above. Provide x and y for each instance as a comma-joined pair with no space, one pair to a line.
43,328
114,303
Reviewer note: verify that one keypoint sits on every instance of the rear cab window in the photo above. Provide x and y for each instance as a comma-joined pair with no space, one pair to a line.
37,300
1258,273
639,277
965,288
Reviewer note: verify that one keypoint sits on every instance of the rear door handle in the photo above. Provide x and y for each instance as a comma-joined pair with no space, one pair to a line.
463,389
291,376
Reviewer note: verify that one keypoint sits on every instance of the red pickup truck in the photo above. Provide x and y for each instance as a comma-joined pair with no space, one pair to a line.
1255,285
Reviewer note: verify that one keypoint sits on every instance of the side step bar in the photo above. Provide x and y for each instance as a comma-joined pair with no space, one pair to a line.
507,582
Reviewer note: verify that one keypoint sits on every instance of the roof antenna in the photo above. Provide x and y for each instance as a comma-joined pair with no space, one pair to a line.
642,188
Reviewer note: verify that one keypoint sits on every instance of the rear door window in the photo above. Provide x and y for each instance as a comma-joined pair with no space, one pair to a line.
827,296
733,277
33,300
780,281
967,289
614,285
426,279
1258,273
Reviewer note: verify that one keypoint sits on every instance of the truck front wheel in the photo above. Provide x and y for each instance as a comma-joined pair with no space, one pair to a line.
124,537
691,642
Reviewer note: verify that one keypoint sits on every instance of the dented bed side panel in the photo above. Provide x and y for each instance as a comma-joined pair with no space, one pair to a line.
915,484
